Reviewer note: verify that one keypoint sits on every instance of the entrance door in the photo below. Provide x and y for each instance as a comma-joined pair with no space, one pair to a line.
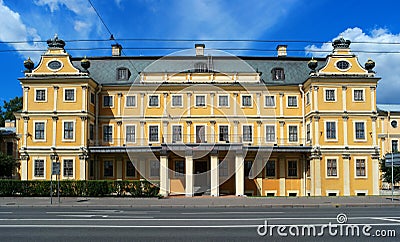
201,177
200,134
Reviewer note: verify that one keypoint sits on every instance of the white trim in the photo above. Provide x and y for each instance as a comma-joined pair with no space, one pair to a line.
342,70
195,100
69,88
354,131
332,191
326,167
172,101
360,89
335,94
265,133
102,134
90,97
126,98
45,95
112,100
44,168
265,103
158,102
326,133
229,132
252,133
223,95
73,133
148,133
34,131
308,93
287,101
73,168
241,100
205,132
55,70
288,133
270,191
172,133
355,166
125,140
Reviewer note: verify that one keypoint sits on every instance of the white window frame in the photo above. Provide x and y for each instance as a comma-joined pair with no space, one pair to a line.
265,101
363,93
205,100
308,98
112,100
205,132
326,166
102,132
334,95
265,132
158,102
326,133
158,135
126,135
73,131
45,95
241,100
252,133
172,100
287,101
34,131
308,135
228,102
34,177
355,131
90,98
288,133
172,133
126,101
355,166
64,97
218,133
73,168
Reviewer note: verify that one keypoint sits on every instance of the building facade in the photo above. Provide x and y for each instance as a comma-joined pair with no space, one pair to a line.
204,123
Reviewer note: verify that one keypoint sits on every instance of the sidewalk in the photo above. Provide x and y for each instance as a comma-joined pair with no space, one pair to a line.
203,202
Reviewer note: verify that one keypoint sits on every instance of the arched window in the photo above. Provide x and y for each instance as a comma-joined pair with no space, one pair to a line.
278,74
200,67
123,74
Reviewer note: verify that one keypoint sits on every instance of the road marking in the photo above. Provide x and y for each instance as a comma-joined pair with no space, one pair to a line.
234,213
6,212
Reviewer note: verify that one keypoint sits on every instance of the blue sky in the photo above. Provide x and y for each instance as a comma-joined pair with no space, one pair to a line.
322,20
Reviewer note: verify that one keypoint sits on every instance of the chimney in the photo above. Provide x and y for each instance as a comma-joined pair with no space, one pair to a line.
116,50
199,49
281,50
9,123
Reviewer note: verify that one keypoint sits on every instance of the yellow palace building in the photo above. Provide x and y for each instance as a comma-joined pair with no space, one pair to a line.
204,122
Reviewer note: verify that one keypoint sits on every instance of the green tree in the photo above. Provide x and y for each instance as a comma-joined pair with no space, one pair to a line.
387,173
7,165
8,109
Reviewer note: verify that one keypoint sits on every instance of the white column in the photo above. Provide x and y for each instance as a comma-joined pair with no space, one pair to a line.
317,134
164,180
26,119
259,132
84,100
304,177
235,95
189,107
344,98
212,132
142,104
142,138
82,168
375,174
312,176
212,95
119,169
54,138
281,132
258,103
315,98
26,90
24,169
239,175
119,104
282,177
345,141
346,174
189,174
318,176
214,175
374,131
164,136
281,95
83,130
165,105
235,131
55,95
373,104
119,124
188,124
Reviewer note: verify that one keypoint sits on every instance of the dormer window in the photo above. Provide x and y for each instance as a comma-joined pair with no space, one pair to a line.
278,74
200,67
123,74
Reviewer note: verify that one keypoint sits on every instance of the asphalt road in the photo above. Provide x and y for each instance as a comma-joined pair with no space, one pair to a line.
198,224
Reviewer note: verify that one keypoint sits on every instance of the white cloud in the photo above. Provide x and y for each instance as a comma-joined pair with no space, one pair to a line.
12,28
76,6
387,66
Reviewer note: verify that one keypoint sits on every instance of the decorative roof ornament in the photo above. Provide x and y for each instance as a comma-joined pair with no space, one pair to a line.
312,64
55,42
28,64
369,65
85,63
341,43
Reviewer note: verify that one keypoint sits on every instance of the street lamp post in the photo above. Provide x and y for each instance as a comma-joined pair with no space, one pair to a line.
394,125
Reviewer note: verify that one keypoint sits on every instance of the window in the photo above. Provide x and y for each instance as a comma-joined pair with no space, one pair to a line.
223,133
247,168
269,101
246,101
223,168
270,168
39,168
130,169
10,148
360,130
69,95
278,74
179,168
123,74
308,168
153,133
247,133
200,133
292,133
130,101
108,168
358,95
360,167
130,133
153,101
108,101
330,130
223,101
92,98
108,133
68,168
292,101
39,131
177,101
40,95
200,100
270,133
308,132
154,168
331,167
395,146
330,95
292,168
176,133
200,67
91,168
68,130
307,98
91,131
